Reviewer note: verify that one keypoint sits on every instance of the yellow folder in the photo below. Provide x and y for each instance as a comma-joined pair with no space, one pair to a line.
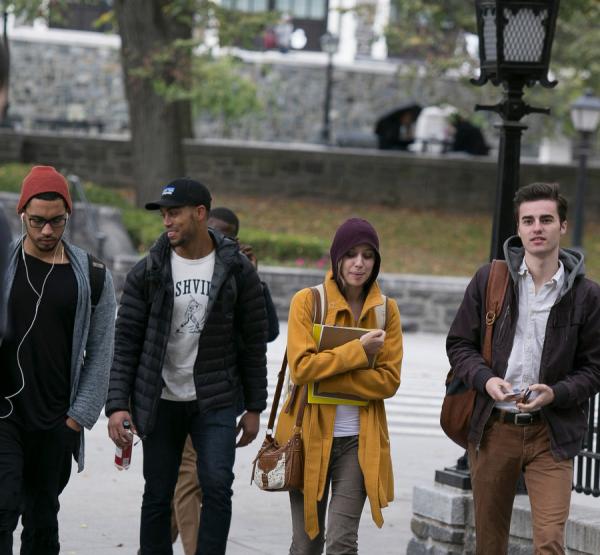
329,337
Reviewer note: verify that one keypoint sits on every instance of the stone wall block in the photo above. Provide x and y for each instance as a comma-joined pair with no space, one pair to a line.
411,310
442,503
425,528
419,547
583,531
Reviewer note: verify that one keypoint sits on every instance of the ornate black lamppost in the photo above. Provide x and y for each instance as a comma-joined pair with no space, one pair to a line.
329,45
585,114
515,41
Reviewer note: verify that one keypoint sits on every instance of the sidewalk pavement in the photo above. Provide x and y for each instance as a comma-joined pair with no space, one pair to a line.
100,508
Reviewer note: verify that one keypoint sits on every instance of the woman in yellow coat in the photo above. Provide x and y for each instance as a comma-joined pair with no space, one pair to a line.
346,448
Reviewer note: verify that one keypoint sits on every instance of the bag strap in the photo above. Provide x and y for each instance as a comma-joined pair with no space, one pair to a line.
320,303
97,273
277,397
494,299
381,314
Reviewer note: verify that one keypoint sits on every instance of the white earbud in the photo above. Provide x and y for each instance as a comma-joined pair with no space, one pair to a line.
22,216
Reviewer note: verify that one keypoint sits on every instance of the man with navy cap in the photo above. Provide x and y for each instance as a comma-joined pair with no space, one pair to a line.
190,345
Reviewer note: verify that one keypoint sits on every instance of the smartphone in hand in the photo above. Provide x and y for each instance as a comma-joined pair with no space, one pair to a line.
519,395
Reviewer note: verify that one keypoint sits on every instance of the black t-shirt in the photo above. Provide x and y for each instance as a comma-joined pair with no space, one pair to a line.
45,355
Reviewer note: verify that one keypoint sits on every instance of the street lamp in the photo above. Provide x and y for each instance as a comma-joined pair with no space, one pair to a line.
329,45
585,114
515,42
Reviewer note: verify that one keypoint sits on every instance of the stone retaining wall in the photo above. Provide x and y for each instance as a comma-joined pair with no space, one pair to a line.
447,183
426,303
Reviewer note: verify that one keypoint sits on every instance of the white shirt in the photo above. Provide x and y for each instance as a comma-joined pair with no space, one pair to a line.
524,362
191,285
347,421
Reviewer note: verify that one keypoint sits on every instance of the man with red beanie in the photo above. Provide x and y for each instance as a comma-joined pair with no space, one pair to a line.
55,359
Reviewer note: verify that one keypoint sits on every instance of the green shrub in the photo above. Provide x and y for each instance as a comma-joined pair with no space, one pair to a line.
144,227
11,177
284,247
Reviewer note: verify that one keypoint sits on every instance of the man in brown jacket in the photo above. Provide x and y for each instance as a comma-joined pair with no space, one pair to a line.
531,409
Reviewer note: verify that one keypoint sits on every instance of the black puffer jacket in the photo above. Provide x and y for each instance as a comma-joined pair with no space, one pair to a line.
231,347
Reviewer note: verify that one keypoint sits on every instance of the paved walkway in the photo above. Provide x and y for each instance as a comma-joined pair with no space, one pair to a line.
101,506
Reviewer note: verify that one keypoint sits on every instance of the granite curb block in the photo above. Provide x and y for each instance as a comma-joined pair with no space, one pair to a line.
443,524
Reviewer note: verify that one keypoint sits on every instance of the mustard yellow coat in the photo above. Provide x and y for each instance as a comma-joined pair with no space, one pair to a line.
343,369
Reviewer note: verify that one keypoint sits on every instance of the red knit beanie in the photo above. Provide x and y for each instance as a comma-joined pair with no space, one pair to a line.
44,179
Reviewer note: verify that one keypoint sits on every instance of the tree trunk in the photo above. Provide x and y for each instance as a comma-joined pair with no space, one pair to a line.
157,127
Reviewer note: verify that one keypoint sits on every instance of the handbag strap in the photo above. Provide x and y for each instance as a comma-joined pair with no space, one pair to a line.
277,397
494,299
319,302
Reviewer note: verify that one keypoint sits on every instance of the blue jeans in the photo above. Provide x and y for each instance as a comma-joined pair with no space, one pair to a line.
213,435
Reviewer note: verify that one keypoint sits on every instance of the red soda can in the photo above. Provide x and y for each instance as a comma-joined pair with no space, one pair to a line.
123,456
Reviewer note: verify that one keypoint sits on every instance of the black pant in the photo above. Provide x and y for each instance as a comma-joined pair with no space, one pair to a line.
213,436
34,469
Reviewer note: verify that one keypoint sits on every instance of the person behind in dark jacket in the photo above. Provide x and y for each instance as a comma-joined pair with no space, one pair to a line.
531,408
176,366
187,499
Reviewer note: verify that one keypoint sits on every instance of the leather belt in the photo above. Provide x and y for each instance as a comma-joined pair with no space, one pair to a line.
517,418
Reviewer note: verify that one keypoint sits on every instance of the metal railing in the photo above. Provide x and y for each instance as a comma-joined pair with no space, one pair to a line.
586,468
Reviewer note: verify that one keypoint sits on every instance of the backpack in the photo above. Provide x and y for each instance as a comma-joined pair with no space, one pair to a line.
97,273
459,401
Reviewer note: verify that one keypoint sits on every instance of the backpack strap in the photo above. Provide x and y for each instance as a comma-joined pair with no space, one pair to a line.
319,314
381,314
97,272
320,303
494,299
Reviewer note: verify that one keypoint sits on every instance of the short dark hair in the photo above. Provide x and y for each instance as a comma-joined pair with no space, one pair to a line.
47,195
541,191
226,215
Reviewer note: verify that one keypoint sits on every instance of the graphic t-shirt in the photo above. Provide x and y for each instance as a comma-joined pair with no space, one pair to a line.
191,285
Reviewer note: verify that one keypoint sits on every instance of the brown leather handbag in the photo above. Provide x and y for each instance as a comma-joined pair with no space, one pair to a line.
459,401
281,467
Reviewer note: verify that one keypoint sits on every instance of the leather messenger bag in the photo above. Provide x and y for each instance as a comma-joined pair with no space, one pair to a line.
457,407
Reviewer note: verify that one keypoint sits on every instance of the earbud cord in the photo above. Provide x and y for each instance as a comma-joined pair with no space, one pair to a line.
39,295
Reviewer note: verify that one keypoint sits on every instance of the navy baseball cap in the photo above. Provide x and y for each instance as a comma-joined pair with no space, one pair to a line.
182,192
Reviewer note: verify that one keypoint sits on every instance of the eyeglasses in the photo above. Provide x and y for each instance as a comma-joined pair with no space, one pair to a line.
55,223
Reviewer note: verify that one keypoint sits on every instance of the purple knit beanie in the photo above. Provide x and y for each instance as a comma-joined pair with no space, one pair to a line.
351,233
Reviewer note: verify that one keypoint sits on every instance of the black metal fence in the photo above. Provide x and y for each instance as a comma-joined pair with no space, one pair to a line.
586,476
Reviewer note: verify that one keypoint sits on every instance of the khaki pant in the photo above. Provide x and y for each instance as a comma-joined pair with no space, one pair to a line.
187,500
505,450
